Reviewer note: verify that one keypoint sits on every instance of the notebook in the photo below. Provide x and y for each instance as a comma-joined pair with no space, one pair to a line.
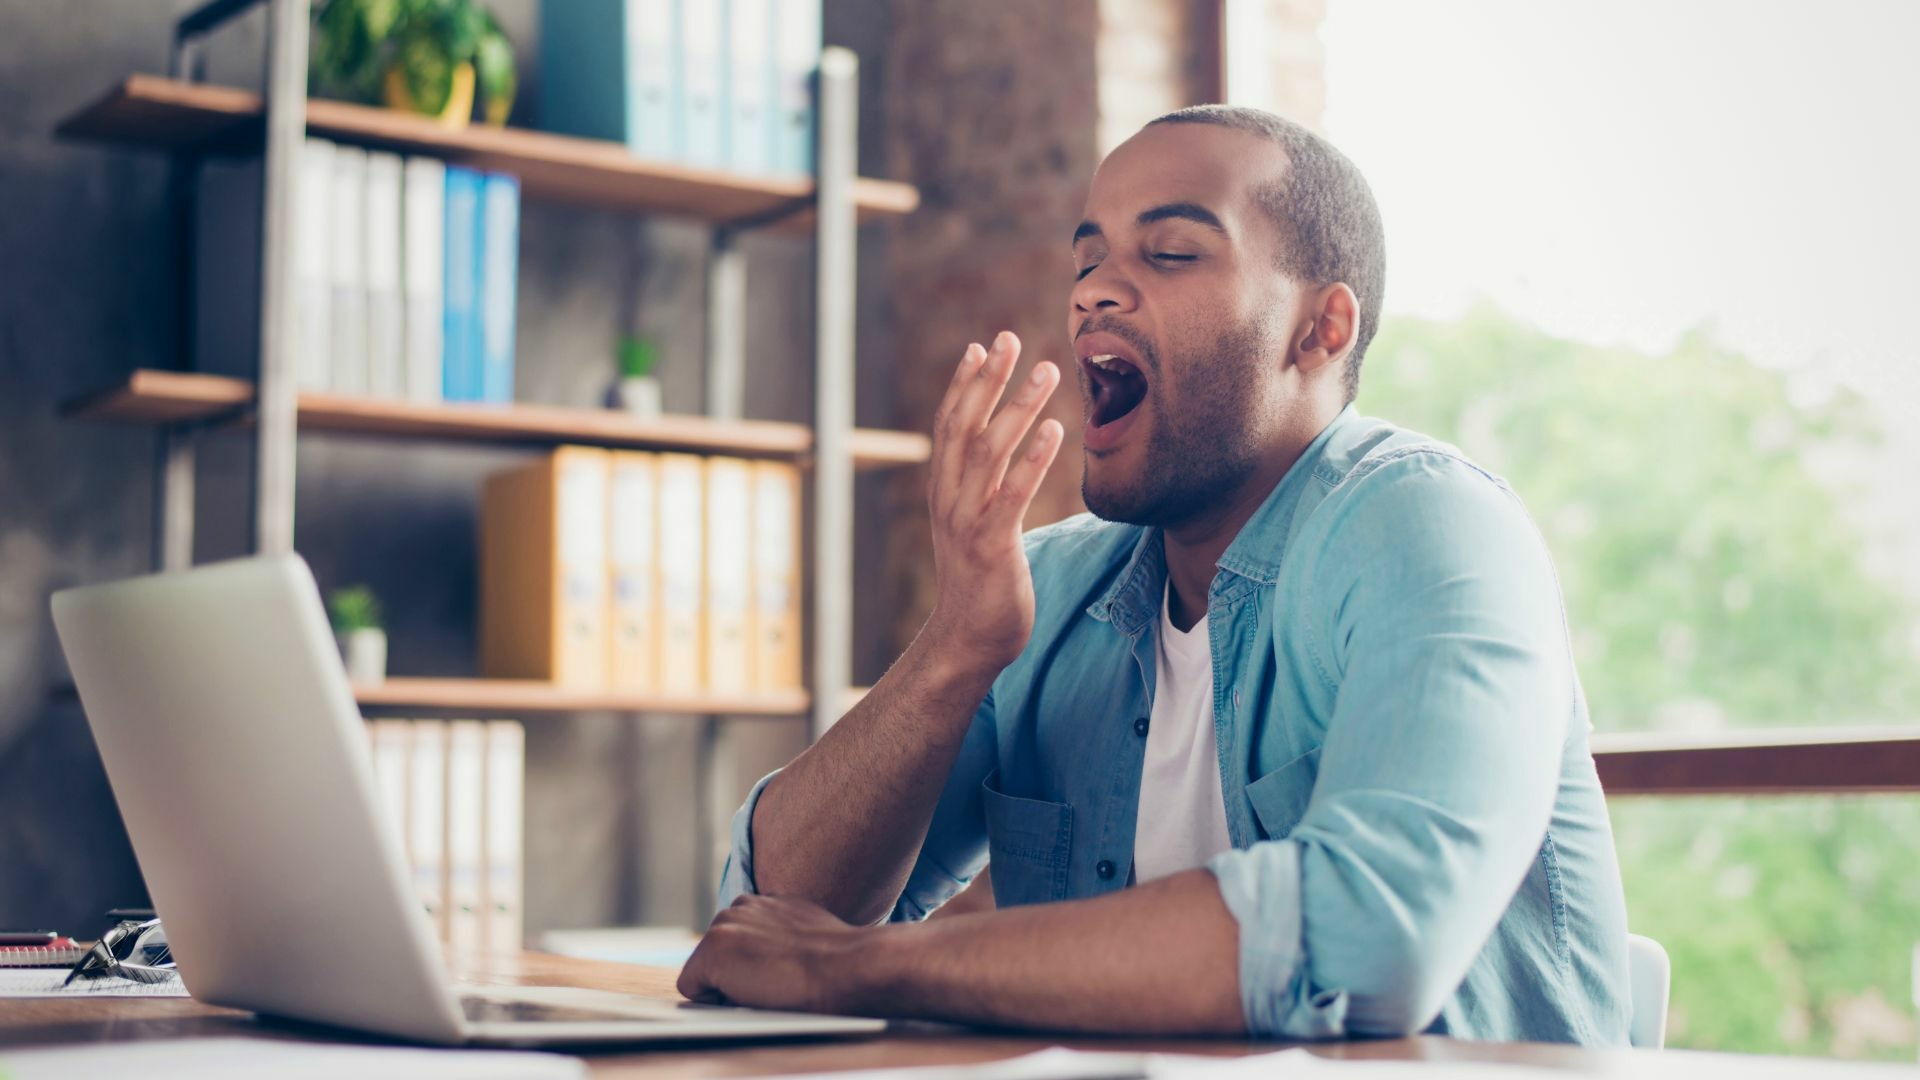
60,952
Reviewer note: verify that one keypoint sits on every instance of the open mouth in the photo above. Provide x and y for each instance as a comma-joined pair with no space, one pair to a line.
1117,387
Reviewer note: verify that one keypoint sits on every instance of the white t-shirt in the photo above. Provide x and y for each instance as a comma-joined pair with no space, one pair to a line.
1183,818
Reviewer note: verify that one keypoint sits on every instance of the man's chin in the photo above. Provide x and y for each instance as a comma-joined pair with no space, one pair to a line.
1110,497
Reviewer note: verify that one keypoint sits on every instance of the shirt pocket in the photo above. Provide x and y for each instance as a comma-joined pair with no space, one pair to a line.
1279,799
1028,841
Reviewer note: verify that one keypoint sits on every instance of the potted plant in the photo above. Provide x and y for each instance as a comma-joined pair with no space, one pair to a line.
356,625
424,56
636,390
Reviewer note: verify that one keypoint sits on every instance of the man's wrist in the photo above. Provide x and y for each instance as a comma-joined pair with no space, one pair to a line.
874,969
947,669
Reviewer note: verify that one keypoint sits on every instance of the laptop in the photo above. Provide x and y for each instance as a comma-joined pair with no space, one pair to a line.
240,763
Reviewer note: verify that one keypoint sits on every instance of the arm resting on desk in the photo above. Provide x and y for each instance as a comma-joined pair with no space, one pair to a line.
1156,959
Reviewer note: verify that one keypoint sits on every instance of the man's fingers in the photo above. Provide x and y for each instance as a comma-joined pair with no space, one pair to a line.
978,398
972,408
992,448
692,982
697,977
1024,475
946,467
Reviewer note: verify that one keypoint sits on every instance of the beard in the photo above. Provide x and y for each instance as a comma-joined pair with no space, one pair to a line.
1199,452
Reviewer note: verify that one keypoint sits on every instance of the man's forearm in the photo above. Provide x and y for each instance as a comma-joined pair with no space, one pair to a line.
1158,959
842,824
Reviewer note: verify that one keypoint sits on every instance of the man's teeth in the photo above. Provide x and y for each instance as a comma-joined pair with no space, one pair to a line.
1104,360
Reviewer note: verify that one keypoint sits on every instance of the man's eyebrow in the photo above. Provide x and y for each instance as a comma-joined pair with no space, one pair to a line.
1086,229
1188,211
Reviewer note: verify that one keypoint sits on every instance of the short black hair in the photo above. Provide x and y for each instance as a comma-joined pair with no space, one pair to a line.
1325,207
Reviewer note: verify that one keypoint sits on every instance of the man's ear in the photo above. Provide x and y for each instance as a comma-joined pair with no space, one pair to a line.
1328,337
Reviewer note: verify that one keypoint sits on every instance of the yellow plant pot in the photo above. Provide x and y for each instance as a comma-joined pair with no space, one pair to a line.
459,108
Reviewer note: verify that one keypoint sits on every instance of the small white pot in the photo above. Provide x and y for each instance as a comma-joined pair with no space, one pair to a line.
638,394
365,653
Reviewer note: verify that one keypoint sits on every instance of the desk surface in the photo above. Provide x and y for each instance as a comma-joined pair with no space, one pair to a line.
43,1021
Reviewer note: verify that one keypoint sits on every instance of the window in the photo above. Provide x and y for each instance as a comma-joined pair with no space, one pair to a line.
1653,263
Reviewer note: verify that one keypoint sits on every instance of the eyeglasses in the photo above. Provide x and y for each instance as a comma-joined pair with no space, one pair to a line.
135,950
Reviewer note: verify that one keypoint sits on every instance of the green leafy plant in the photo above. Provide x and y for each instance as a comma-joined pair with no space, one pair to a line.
638,358
411,53
354,608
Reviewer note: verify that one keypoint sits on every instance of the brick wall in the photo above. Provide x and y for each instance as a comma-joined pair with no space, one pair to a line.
992,108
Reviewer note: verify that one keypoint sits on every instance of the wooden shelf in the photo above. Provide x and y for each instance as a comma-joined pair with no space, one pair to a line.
147,110
171,397
529,696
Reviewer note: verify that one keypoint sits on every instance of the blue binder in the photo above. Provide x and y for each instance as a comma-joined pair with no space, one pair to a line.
460,297
499,285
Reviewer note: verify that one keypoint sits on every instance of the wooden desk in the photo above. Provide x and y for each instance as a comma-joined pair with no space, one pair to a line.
43,1021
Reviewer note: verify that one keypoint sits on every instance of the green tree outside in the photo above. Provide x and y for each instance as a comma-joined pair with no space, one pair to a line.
1712,581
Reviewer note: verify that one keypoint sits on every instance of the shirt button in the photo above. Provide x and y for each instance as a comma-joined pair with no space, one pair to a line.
1140,727
1105,869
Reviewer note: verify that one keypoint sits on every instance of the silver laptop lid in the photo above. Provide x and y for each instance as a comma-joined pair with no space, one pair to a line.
237,756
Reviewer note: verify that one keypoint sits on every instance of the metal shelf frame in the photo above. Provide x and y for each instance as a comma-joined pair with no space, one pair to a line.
276,434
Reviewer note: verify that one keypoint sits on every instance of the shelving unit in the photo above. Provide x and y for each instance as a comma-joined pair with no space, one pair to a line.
517,696
521,696
191,121
179,397
178,115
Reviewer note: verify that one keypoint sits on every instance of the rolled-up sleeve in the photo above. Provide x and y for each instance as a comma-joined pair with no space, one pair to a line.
952,854
1445,647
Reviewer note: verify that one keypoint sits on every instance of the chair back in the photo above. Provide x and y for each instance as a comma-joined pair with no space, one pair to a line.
1649,979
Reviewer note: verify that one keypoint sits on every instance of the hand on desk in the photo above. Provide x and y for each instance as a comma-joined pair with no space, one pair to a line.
775,953
1158,958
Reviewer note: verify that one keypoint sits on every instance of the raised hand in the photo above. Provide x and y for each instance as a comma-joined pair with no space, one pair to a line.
983,611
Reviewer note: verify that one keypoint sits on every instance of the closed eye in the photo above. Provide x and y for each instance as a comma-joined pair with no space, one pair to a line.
1168,256
1085,270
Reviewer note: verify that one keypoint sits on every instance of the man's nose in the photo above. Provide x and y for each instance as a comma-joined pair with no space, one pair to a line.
1105,289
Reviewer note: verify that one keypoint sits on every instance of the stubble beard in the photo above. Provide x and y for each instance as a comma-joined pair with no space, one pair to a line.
1198,457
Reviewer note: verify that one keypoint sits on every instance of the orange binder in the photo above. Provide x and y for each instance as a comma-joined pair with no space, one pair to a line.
543,570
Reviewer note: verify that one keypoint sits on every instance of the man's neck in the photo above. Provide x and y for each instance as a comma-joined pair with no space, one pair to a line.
1194,546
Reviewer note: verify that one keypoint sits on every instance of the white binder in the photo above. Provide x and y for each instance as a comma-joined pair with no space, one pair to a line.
386,306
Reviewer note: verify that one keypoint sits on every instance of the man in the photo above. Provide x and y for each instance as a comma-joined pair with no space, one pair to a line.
1291,743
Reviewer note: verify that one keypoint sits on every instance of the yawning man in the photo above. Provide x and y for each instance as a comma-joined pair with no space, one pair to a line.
1283,738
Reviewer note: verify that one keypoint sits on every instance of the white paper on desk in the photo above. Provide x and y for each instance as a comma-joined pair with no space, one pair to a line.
1060,1063
45,982
231,1059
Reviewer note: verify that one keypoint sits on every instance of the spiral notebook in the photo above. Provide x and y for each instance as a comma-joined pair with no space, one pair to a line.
60,952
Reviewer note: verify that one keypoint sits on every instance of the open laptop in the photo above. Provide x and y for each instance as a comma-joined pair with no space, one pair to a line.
240,764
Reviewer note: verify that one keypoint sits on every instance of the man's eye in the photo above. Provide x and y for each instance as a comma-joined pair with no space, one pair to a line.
1168,256
1084,271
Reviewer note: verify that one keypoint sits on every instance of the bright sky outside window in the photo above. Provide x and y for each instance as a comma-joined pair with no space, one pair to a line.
1622,172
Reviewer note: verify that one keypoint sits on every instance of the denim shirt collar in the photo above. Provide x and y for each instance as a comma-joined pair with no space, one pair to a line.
1134,598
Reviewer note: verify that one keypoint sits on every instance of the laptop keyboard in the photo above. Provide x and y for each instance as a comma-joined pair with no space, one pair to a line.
488,1010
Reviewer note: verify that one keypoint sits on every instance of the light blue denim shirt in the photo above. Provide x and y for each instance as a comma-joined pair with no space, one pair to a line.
1419,837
